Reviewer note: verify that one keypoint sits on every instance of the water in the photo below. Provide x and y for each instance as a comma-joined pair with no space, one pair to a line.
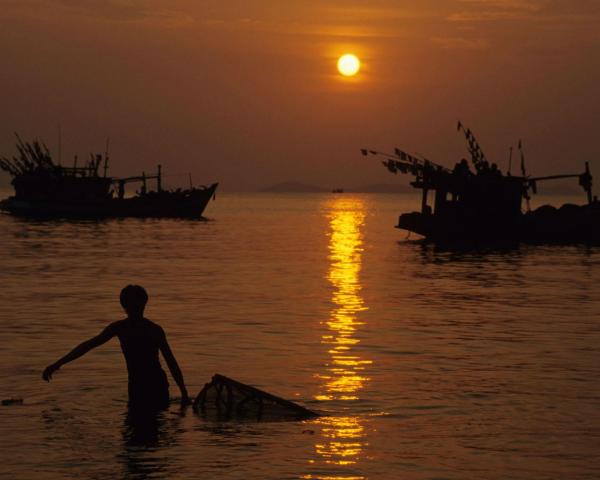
431,364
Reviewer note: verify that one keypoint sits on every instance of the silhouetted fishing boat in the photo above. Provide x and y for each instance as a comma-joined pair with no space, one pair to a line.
45,189
485,206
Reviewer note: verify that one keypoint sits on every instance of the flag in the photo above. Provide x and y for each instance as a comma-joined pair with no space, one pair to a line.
364,151
390,164
459,126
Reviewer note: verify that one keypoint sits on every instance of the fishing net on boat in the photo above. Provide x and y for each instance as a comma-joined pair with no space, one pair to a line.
226,399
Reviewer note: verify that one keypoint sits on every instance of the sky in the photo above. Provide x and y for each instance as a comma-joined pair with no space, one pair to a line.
246,92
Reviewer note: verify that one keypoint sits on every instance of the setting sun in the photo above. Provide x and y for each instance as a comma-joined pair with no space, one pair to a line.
348,65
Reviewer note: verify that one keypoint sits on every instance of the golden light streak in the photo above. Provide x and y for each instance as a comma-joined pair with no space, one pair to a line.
343,438
345,254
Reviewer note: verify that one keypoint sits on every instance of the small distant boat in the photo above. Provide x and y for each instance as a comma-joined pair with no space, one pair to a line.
485,206
337,190
45,189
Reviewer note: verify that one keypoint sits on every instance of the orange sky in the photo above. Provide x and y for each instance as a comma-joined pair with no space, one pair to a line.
247,93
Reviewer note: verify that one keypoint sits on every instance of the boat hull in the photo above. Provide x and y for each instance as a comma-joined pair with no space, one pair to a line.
181,204
568,224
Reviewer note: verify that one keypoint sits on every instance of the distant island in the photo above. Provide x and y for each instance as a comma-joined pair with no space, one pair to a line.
299,187
294,187
383,188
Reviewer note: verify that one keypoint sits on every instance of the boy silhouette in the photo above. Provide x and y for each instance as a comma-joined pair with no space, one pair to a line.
141,340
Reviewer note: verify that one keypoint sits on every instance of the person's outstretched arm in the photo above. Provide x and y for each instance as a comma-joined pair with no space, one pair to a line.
174,369
80,350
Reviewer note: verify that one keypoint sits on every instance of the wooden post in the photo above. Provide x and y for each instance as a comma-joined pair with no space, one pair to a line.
424,201
106,157
121,189
588,186
440,201
59,145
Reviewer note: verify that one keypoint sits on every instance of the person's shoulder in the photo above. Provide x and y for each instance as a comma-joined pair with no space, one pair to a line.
115,327
155,327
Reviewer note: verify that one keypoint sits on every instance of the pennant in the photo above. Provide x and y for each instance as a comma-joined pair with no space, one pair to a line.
390,164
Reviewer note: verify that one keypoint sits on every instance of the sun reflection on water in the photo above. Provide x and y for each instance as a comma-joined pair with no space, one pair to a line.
343,437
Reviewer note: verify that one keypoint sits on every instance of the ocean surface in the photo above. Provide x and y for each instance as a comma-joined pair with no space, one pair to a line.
428,363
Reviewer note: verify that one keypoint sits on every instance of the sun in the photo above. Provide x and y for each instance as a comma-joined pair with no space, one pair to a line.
348,65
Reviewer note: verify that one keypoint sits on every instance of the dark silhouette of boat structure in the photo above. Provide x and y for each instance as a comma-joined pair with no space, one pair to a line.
44,189
225,399
484,206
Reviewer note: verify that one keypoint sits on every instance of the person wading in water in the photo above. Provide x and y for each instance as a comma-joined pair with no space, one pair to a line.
141,340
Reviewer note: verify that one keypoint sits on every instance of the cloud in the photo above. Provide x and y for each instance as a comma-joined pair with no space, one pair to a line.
459,43
496,10
319,19
479,11
488,16
526,5
121,10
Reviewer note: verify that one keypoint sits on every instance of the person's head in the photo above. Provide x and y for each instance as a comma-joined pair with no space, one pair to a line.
133,300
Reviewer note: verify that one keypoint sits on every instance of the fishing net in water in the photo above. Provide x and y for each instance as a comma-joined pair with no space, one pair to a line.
226,399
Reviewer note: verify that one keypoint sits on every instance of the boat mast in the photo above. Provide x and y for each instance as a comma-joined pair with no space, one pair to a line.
59,145
586,182
106,156
526,195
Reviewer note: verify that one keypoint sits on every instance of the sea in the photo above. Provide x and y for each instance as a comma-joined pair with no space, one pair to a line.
426,363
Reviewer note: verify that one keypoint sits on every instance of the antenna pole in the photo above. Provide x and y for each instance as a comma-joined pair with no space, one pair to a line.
588,183
106,156
510,160
523,170
59,144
